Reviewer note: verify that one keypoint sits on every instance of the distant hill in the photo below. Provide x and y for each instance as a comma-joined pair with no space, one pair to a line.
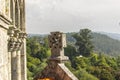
41,35
107,43
112,35
102,42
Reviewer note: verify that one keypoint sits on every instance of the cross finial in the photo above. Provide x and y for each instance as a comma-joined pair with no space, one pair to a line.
57,42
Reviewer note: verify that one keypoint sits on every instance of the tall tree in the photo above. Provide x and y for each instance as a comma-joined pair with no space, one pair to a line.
83,41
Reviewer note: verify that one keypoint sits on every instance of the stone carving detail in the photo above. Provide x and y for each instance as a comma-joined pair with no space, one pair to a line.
16,39
57,42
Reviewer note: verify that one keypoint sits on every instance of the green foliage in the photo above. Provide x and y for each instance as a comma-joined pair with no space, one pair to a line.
70,51
101,66
83,41
29,75
93,58
83,75
105,44
91,66
106,75
37,54
118,61
102,43
102,62
79,62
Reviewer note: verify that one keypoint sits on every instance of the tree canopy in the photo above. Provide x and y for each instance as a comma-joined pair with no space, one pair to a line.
93,65
83,41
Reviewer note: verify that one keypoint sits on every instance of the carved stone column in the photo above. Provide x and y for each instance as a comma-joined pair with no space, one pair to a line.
23,57
14,46
9,68
10,48
11,45
18,54
13,58
13,66
18,66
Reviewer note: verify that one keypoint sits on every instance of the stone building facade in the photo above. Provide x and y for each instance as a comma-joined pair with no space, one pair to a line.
12,40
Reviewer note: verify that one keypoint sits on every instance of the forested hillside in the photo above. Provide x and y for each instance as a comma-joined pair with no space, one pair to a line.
86,51
112,35
105,44
102,43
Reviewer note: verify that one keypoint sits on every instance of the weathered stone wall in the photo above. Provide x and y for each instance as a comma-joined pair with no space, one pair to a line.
2,6
12,40
4,60
5,7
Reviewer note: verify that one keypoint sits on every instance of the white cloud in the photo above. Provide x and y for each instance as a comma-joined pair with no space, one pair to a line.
44,16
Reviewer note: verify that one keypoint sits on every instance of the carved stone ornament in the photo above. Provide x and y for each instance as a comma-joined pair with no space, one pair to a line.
22,35
16,33
57,42
16,38
18,45
11,44
11,31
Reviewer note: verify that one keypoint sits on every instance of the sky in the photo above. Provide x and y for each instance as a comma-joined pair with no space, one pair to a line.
45,16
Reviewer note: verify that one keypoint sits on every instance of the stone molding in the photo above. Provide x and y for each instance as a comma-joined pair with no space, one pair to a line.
5,19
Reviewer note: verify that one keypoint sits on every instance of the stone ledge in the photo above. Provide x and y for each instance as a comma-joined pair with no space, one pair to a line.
3,17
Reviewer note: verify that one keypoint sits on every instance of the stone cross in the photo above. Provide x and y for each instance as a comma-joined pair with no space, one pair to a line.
56,70
57,42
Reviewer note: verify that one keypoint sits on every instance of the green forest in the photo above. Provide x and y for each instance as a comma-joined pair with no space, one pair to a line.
92,56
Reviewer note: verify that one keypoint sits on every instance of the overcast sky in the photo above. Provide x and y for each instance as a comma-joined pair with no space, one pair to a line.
44,16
